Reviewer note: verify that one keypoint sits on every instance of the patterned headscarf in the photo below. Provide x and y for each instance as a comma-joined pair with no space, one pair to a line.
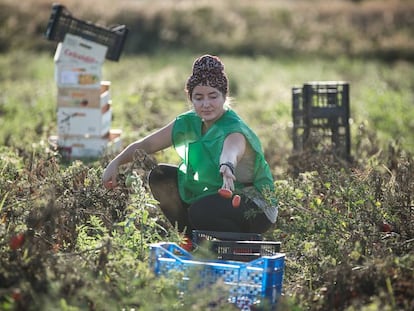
208,70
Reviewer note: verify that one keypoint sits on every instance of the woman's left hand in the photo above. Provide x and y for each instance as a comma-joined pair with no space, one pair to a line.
228,177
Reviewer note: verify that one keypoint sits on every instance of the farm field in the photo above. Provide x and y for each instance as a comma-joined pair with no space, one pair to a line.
347,228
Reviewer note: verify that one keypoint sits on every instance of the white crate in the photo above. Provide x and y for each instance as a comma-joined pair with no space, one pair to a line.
78,63
79,97
84,121
75,49
105,86
88,146
78,75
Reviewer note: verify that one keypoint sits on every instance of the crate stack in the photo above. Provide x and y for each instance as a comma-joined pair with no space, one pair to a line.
84,112
84,104
321,118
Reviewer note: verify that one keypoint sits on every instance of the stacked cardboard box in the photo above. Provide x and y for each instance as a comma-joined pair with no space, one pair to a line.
84,104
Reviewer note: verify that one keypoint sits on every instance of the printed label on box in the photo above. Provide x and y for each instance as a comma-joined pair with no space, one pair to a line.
75,49
83,76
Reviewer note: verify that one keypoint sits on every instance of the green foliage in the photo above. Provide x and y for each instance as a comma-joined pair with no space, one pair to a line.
84,244
26,91
342,227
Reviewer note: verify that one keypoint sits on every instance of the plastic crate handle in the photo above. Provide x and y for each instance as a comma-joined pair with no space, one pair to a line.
54,17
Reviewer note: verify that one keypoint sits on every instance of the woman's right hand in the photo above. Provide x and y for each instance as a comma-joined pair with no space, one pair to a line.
154,142
110,175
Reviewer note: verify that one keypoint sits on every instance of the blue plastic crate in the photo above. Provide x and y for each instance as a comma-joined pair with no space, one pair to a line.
249,283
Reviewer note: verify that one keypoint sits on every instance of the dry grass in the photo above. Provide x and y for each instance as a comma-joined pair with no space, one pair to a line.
375,28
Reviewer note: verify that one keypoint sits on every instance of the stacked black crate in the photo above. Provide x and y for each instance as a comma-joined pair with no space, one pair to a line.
321,118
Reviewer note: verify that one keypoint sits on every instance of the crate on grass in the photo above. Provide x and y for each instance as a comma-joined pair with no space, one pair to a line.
321,113
83,146
247,284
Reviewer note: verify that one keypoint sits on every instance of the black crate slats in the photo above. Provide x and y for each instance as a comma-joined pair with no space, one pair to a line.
62,22
321,113
235,245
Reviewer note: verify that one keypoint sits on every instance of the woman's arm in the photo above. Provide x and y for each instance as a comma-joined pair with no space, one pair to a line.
152,143
234,148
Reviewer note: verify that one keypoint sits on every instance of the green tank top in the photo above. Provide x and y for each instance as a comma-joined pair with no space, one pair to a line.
198,174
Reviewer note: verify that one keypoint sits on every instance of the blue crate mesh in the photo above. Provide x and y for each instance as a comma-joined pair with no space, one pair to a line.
247,283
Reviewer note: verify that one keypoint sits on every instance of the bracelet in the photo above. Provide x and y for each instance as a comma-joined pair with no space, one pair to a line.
229,165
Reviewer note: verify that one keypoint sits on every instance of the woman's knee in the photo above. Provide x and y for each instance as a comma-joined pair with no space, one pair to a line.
259,223
162,174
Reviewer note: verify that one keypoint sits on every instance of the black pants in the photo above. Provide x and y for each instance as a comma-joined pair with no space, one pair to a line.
212,213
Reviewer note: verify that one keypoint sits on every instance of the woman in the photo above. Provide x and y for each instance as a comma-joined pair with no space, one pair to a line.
218,150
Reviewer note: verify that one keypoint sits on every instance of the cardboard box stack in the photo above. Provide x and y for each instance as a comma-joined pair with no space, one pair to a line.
84,104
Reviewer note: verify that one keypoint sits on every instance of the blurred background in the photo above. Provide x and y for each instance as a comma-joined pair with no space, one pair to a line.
365,28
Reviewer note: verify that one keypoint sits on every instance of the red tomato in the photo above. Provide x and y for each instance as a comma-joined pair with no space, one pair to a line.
16,295
236,201
225,193
386,227
17,241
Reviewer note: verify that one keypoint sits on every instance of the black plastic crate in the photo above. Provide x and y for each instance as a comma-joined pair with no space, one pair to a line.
244,250
62,22
321,117
200,236
298,115
234,245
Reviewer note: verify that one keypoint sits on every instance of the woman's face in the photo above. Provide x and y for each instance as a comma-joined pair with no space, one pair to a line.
208,103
